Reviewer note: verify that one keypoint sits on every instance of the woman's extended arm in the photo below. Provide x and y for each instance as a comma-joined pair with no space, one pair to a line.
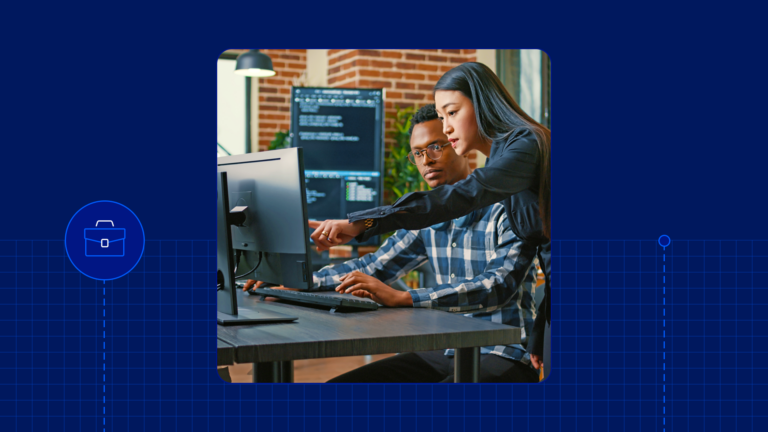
513,168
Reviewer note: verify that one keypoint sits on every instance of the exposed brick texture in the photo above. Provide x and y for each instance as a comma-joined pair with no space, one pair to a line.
274,93
407,76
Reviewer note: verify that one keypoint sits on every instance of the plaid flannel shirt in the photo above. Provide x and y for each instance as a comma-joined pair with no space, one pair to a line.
482,270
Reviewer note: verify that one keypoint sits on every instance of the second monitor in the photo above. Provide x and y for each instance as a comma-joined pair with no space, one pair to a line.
342,134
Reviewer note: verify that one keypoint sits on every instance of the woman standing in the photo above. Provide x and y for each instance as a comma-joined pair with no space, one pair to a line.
477,114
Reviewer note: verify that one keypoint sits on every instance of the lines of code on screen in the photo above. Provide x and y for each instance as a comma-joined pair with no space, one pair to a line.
340,131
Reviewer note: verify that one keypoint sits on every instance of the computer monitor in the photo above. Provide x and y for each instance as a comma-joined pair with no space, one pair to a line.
342,133
262,209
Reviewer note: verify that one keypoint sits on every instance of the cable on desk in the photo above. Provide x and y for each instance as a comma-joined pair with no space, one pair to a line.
252,270
219,287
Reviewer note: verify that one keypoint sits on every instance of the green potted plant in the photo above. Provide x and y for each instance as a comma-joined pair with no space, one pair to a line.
282,140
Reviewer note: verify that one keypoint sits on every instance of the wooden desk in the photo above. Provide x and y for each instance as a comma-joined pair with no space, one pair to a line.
225,353
319,334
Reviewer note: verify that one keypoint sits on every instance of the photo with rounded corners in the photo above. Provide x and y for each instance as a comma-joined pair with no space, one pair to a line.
383,216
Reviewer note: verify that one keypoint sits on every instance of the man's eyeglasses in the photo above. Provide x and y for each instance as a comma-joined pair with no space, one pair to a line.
433,151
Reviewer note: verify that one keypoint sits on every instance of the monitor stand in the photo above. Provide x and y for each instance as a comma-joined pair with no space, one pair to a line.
252,316
226,292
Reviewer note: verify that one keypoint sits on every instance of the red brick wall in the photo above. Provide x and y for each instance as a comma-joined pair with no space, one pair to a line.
275,93
407,76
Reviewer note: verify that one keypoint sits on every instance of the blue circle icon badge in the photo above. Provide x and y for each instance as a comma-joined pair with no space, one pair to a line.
104,240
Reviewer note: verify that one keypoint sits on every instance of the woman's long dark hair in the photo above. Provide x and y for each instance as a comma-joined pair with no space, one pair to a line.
499,116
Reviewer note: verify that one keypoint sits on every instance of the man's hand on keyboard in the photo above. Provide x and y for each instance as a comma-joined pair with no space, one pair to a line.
250,283
361,285
258,284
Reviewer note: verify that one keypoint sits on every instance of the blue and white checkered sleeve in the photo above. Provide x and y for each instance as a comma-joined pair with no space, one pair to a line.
401,253
493,288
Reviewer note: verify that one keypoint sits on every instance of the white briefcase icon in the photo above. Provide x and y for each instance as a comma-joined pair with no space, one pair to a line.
104,242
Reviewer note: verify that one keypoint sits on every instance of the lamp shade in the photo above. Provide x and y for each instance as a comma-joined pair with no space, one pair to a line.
254,64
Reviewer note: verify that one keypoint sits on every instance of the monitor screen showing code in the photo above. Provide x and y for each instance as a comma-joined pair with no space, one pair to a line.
334,193
341,132
339,129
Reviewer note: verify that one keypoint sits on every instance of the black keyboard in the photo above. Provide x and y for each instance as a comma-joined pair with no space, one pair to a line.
316,299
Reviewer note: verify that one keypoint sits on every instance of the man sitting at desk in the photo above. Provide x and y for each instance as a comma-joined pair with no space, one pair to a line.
482,270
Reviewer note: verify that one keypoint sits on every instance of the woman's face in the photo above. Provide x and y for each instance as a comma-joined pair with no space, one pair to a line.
459,122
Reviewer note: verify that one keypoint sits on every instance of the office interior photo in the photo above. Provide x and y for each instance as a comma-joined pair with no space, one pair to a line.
314,135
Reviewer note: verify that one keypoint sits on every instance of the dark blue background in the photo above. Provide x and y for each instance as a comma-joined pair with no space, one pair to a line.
656,116
657,128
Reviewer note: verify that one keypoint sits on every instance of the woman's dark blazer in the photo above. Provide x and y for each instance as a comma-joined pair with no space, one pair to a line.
510,176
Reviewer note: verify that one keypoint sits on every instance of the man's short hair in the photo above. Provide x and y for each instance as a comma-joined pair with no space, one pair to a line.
424,114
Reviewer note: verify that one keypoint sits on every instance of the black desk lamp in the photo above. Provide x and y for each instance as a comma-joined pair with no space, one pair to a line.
254,64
